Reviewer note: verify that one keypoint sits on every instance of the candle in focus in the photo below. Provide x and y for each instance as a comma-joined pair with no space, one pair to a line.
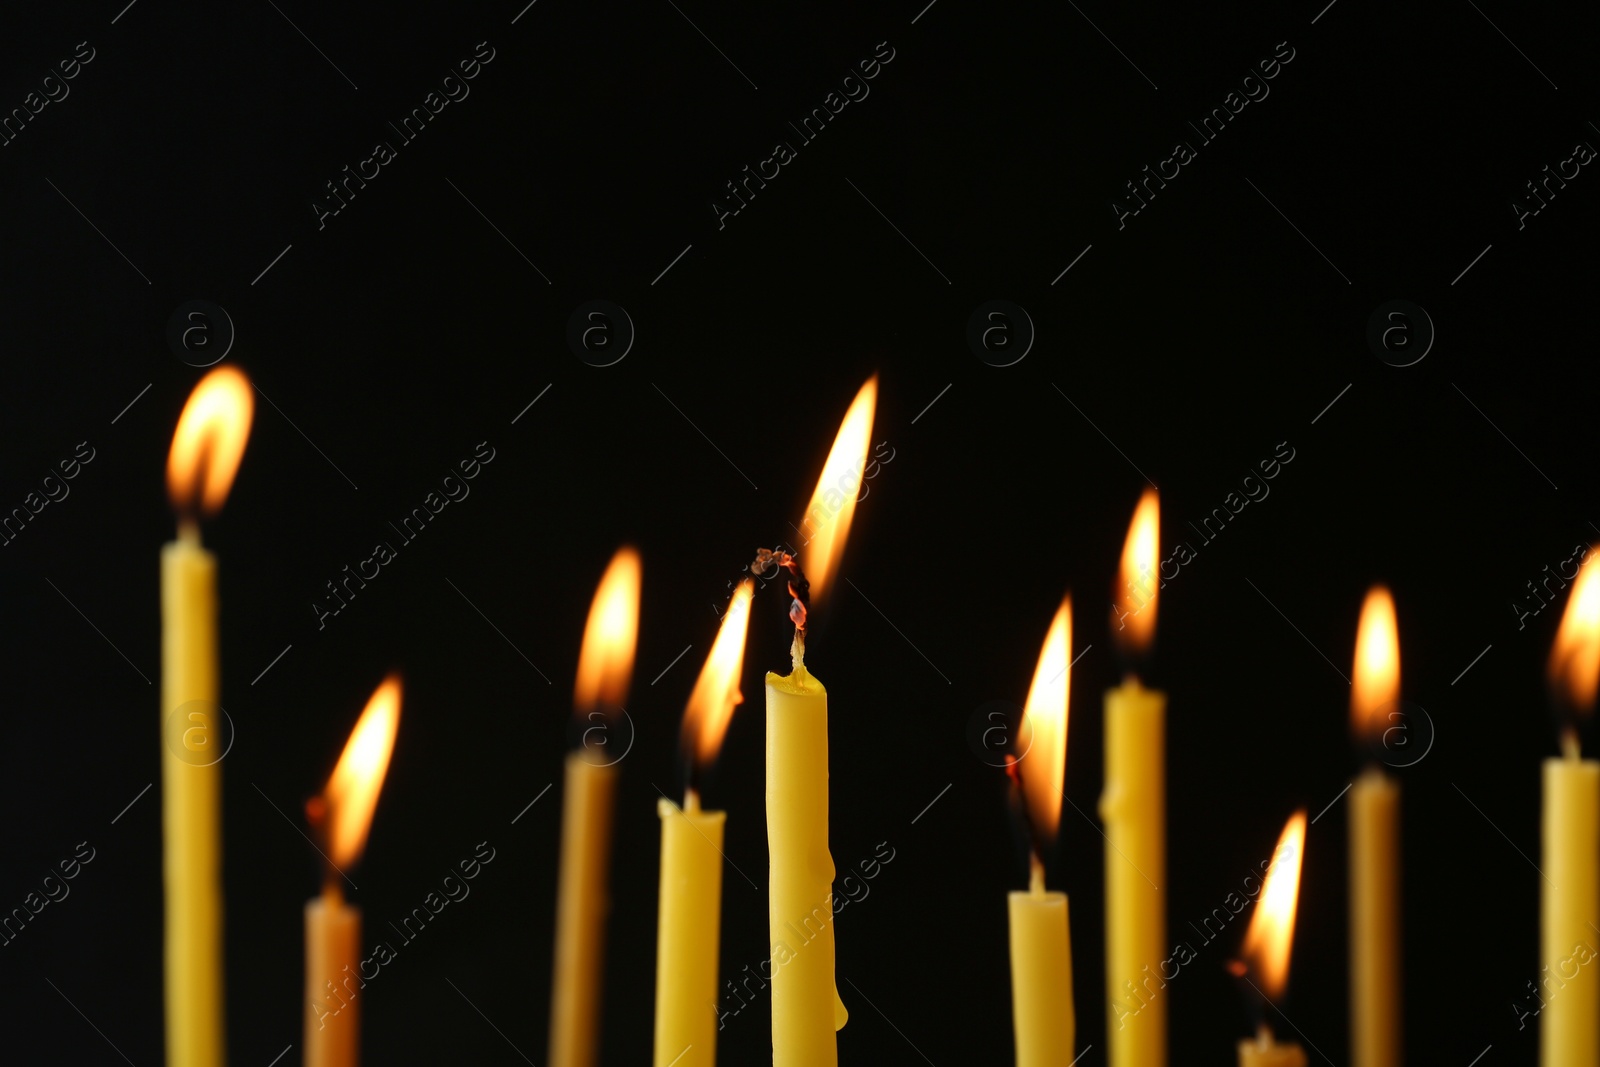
343,814
806,1009
1375,844
1043,1018
1569,1024
689,922
605,667
206,449
1133,808
1264,963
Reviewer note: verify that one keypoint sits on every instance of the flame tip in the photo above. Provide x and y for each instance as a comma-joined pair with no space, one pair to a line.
209,440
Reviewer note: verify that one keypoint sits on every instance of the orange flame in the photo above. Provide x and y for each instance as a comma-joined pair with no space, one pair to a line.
833,505
1271,933
1575,657
716,691
352,791
209,441
605,666
1376,683
1044,769
1138,581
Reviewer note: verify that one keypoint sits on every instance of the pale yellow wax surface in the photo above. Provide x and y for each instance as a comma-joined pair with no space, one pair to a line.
1042,1013
1569,1024
583,901
688,934
333,982
1263,1051
1375,920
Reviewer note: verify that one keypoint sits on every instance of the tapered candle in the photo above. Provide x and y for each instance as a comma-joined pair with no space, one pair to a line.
343,816
806,1009
605,667
1044,1020
1133,808
1375,842
1264,962
689,922
1569,914
206,449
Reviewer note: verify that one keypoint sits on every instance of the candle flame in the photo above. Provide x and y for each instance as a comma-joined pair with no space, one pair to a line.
1575,656
1044,768
833,505
605,665
209,441
1376,684
1138,581
352,791
1271,932
716,691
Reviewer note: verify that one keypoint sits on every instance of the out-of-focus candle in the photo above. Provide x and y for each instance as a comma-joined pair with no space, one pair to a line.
1264,963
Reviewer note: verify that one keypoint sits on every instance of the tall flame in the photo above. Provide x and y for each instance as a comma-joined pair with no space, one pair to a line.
352,791
1575,656
1138,579
209,441
833,505
1376,683
1044,768
605,666
716,691
1271,933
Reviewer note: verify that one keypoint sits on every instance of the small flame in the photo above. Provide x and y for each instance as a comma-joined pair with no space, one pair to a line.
1138,580
833,505
1044,769
1575,657
1377,671
209,441
1271,933
716,691
352,791
605,666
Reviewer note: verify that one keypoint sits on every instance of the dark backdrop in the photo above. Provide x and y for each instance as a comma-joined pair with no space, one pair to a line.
1221,320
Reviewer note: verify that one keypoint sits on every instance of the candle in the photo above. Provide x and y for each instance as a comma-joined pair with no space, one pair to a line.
1133,808
688,926
1375,844
206,449
806,1009
605,666
1042,1015
1267,942
343,815
1569,914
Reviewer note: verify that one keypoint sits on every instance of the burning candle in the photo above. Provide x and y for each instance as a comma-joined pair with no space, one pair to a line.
206,449
343,815
1267,942
806,1009
1375,844
1569,914
688,928
1042,1014
605,667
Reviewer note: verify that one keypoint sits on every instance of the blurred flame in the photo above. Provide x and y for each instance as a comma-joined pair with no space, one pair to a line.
1575,656
605,665
1044,769
833,505
209,441
1271,933
1376,683
1137,581
352,791
716,691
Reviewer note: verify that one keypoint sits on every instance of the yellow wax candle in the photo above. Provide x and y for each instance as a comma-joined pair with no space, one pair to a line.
1375,843
333,981
806,1009
687,939
207,446
1569,1025
1042,1014
1263,1051
1133,808
583,894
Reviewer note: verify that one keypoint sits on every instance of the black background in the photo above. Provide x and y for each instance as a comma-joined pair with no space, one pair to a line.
407,330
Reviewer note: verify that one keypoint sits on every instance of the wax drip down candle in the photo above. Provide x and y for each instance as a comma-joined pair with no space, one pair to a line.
206,450
1263,966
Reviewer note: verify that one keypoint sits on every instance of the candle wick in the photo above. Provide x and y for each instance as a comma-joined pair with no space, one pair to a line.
1035,874
797,648
1570,746
188,530
1264,1035
691,800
